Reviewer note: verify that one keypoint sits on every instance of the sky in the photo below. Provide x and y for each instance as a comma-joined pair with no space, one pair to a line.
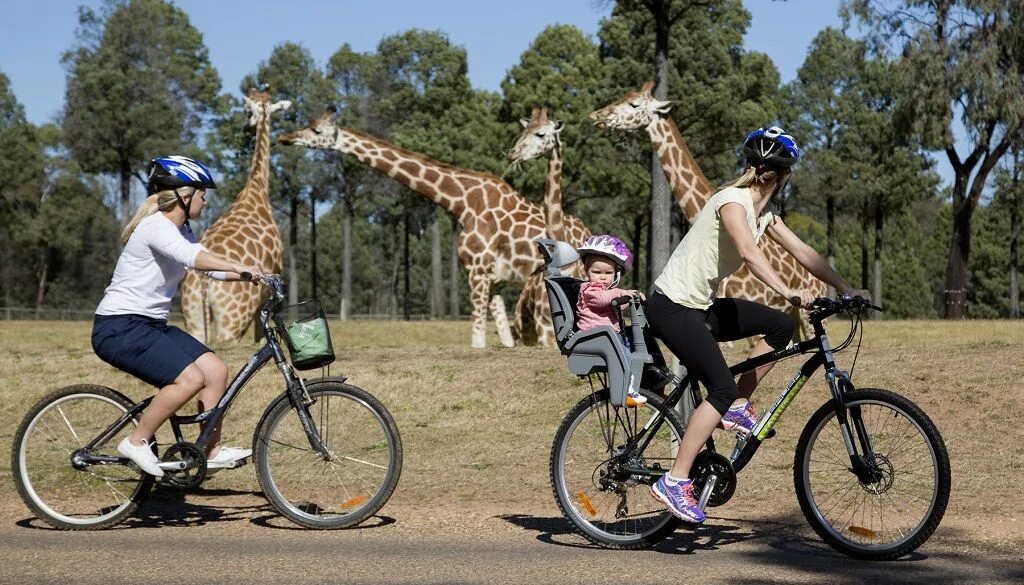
239,34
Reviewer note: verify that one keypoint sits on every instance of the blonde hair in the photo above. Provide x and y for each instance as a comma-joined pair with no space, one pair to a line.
751,176
161,201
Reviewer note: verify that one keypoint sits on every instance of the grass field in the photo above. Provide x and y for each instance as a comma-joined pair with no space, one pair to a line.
477,425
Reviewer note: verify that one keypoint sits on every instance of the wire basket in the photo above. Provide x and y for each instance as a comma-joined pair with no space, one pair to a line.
307,335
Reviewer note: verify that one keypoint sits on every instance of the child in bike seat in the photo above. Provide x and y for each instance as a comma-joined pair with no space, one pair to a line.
605,259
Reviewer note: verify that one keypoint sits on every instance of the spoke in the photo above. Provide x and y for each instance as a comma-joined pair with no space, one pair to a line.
68,424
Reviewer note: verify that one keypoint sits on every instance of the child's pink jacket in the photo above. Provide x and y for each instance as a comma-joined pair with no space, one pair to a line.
595,305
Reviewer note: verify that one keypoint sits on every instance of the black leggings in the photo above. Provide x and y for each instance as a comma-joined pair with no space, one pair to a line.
692,335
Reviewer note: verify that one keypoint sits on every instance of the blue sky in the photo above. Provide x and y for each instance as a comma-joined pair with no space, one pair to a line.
240,34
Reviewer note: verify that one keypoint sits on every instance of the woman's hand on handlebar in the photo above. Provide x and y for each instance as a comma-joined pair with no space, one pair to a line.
800,297
858,293
251,274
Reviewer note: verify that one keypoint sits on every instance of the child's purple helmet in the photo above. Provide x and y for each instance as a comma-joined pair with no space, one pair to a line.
610,247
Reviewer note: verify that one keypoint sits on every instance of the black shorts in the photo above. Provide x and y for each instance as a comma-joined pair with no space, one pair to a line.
147,348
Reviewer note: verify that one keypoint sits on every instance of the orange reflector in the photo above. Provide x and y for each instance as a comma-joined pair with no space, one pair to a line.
861,531
353,502
585,501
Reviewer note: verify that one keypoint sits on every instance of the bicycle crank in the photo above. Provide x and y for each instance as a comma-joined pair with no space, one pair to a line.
184,466
711,465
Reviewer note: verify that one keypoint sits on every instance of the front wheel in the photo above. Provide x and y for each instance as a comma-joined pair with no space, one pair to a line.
60,425
593,477
897,500
358,477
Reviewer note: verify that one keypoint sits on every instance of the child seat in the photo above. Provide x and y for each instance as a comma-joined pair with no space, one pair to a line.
596,350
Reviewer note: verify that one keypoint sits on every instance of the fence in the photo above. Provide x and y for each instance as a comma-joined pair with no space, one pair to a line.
26,314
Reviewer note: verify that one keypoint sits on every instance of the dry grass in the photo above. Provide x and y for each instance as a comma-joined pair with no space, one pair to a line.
477,425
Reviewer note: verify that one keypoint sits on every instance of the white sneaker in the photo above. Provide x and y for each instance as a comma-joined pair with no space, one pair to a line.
227,457
142,456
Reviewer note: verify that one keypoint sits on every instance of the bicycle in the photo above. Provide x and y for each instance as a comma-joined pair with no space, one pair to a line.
856,455
327,454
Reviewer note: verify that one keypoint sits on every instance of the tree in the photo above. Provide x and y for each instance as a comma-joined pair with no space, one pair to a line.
960,60
139,85
1008,201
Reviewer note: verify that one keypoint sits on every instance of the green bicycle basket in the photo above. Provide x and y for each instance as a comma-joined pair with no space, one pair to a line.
307,336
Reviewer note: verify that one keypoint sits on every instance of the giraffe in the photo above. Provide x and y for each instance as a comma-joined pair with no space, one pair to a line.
691,190
498,225
540,136
247,234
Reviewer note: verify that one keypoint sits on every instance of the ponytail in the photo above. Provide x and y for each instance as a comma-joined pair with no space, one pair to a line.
161,201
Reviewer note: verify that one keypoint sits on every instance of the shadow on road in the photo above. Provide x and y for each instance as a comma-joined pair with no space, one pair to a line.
788,544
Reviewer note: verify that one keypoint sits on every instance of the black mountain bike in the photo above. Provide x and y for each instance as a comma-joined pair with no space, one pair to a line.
871,470
327,454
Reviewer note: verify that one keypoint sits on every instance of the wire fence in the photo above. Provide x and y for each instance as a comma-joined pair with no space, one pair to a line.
28,314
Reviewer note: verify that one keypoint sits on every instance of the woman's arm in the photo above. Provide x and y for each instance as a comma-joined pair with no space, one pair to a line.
809,258
734,220
207,261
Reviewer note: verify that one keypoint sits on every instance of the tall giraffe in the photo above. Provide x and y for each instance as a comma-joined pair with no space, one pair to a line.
691,189
246,234
498,225
541,136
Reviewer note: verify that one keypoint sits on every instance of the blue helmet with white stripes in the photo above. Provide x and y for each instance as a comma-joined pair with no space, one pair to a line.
175,171
772,147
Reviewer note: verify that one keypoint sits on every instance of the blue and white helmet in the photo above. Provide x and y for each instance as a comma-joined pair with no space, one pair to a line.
772,147
172,172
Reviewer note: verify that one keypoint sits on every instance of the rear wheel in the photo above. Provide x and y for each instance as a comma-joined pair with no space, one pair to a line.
894,506
96,496
354,482
604,502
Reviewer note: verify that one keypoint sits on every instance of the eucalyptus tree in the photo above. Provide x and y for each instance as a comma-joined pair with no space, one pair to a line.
139,84
1008,200
721,91
962,62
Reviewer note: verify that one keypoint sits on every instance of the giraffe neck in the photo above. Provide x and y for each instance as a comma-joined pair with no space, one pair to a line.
689,185
443,184
257,185
553,197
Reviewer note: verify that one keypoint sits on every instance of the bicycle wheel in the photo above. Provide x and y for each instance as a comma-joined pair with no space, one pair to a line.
360,476
605,504
62,422
896,509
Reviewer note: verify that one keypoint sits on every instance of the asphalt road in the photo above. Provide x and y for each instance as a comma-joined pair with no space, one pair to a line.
231,537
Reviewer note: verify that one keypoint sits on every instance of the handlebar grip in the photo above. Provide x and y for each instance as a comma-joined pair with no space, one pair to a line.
616,302
246,276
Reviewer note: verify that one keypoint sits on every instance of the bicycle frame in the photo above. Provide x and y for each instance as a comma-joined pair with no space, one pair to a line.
838,382
271,350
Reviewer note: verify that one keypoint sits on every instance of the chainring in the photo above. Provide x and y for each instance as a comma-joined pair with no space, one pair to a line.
195,466
706,464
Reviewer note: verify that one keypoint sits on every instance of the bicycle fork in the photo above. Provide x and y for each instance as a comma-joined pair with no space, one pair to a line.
839,384
301,401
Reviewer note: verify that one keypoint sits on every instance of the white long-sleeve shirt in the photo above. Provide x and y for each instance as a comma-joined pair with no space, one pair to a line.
150,267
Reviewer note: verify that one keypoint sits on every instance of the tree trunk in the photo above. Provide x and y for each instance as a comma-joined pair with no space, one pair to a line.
455,275
312,245
1015,230
830,226
346,257
437,278
651,275
876,291
638,232
126,193
661,196
406,300
396,263
293,242
44,269
864,217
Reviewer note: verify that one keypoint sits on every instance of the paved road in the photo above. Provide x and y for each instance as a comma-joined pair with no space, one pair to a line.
232,537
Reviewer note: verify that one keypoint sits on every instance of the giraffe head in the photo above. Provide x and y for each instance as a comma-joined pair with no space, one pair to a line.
637,110
257,103
540,136
320,133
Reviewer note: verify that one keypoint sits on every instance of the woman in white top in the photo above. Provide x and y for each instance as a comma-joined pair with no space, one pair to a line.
685,314
130,330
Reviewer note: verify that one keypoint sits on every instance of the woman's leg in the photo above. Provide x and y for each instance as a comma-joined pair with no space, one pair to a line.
215,373
732,319
166,402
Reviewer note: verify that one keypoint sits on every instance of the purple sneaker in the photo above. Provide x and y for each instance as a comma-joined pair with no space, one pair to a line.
740,418
679,499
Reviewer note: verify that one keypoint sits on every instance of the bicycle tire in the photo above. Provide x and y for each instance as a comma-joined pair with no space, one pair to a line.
30,477
855,540
656,523
297,495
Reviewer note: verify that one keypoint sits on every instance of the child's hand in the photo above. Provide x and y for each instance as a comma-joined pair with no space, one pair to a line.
637,293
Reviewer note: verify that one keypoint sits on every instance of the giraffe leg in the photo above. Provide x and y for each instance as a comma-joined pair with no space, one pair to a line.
542,314
523,330
480,287
501,321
